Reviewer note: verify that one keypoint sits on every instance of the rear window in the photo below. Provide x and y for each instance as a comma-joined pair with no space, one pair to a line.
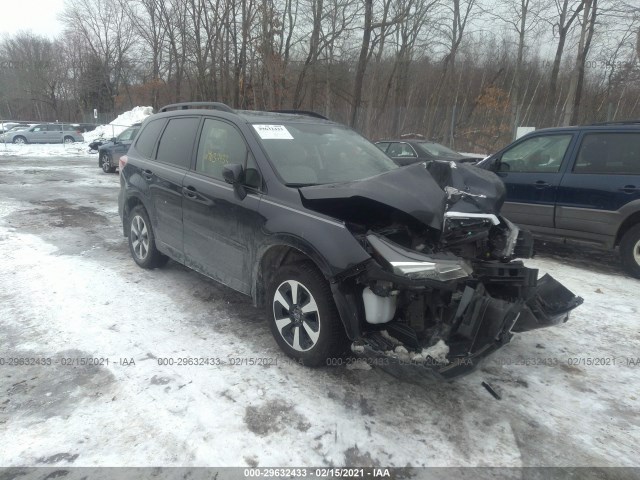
148,136
609,153
176,144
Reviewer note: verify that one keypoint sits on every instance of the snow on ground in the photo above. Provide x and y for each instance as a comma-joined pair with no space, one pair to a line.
45,150
71,292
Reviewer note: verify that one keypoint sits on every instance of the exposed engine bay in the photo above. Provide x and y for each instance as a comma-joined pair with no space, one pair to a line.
443,288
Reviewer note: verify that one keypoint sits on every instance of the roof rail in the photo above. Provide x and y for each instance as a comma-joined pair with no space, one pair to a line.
301,112
204,105
620,122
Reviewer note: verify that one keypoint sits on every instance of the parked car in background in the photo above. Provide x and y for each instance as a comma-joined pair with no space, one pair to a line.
45,133
576,183
408,151
6,126
16,128
339,245
109,153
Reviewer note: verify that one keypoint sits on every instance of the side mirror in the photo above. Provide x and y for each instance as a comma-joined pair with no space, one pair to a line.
113,140
233,173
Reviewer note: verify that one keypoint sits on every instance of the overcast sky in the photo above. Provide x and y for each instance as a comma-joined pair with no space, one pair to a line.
39,16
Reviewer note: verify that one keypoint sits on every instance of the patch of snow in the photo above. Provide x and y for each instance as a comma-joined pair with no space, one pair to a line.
44,150
438,352
394,340
119,125
358,366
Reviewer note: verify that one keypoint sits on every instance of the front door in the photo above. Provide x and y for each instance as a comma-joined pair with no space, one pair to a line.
219,227
531,171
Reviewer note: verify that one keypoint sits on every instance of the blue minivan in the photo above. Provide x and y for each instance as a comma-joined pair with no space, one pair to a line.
576,183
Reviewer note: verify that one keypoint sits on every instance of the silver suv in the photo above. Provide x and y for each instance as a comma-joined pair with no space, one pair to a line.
44,133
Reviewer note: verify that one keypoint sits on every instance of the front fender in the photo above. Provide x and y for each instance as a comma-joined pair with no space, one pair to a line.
327,242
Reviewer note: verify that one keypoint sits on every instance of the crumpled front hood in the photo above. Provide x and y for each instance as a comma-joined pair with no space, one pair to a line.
418,190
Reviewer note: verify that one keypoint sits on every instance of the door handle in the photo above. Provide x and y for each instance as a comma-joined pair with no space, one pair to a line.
148,174
629,189
542,184
192,194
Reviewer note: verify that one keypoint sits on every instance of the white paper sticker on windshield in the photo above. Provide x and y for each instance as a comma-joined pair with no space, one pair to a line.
273,132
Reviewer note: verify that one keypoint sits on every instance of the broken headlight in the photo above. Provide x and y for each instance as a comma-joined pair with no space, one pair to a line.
416,265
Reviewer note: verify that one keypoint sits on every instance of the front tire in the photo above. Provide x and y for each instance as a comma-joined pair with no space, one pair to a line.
303,317
142,243
630,251
20,140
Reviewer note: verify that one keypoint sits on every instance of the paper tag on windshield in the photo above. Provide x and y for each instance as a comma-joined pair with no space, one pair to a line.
273,132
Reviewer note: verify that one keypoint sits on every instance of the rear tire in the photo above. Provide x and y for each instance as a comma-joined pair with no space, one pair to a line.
68,140
303,317
105,163
142,242
630,251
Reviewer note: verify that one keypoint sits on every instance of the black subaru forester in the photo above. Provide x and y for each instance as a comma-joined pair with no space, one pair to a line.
411,265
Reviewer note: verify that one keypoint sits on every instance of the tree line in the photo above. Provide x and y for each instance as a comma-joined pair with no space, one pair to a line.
462,72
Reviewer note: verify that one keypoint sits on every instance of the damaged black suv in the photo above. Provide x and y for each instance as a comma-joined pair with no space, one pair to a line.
413,265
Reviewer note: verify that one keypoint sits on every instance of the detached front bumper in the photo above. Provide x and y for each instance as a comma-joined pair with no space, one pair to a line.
469,317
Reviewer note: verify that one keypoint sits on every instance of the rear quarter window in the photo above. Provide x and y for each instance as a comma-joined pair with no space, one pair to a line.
147,138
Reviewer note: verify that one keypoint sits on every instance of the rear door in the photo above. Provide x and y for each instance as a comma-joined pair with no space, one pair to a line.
602,184
54,133
172,160
219,228
531,171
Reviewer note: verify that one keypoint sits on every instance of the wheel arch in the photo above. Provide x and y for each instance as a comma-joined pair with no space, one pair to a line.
626,225
282,252
286,251
130,203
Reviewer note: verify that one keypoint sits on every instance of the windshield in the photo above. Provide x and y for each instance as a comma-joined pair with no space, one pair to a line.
438,150
313,154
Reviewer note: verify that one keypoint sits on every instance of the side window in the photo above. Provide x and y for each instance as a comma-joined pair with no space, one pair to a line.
609,153
220,144
39,128
147,139
176,143
407,150
535,155
383,146
394,150
127,135
401,150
